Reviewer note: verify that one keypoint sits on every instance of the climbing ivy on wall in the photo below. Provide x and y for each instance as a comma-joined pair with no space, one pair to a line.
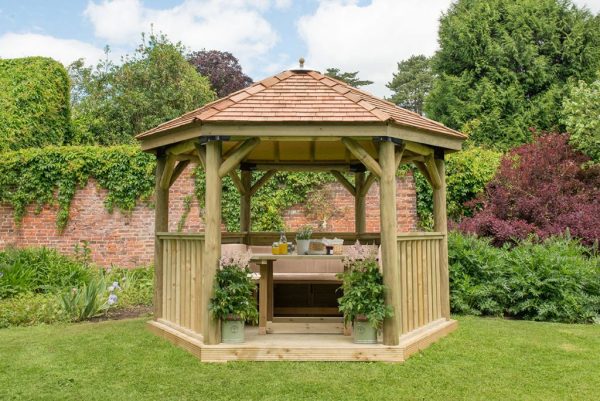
51,176
282,191
26,120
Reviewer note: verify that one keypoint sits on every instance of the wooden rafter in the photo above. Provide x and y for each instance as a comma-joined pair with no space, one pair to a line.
367,184
344,181
178,170
237,156
398,155
361,154
436,181
237,182
258,184
418,148
165,179
423,170
201,153
182,147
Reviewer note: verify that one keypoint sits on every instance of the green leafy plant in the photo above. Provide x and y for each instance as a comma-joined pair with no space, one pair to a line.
30,309
34,103
363,290
51,176
39,270
554,280
304,233
91,300
234,290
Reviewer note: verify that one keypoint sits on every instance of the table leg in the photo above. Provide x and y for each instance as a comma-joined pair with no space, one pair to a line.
270,293
262,299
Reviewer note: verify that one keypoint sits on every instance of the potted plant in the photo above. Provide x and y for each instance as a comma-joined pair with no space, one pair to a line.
363,303
234,302
303,239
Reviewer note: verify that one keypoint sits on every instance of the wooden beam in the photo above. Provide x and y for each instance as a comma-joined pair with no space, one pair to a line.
276,151
237,182
301,166
245,222
440,224
236,157
212,244
418,148
424,171
258,184
360,220
313,151
430,164
399,153
161,224
178,170
201,153
182,147
345,183
367,185
165,178
361,154
389,242
410,159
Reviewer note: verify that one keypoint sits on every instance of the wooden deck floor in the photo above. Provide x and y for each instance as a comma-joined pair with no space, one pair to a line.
305,347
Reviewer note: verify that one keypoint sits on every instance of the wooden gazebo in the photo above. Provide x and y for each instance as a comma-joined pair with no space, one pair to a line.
301,120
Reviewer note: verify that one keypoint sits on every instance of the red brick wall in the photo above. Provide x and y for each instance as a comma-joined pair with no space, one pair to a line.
127,239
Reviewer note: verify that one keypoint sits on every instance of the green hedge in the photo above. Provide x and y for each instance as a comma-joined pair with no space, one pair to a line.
52,175
555,280
34,103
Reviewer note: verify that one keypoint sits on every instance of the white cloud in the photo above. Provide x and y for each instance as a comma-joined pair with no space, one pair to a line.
371,38
14,45
237,26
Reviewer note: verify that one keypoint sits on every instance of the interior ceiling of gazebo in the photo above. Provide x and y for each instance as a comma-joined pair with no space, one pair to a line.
301,117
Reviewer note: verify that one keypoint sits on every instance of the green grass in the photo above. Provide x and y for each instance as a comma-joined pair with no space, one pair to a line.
485,359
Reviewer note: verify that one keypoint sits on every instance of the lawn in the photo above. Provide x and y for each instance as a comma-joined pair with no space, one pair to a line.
485,359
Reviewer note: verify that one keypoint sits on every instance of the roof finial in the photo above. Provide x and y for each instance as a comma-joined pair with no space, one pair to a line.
301,61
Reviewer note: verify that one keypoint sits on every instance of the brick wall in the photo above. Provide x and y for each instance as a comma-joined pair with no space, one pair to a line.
127,239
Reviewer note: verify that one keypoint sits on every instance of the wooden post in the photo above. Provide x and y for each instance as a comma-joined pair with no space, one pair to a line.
360,218
389,243
161,224
212,249
245,222
440,224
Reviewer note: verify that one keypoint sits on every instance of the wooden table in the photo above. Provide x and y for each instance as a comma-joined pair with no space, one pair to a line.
265,301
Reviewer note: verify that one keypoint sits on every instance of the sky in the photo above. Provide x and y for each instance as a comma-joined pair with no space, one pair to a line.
267,36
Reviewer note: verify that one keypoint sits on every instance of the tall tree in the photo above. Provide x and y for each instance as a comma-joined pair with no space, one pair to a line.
503,66
222,69
412,83
351,78
112,103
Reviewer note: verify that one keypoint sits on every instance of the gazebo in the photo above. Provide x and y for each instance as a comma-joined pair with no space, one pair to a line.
301,120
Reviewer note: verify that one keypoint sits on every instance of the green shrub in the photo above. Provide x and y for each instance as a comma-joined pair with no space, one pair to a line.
467,173
39,270
34,103
234,290
554,280
31,309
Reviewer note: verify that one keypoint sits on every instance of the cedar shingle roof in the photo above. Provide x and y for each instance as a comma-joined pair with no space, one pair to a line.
303,96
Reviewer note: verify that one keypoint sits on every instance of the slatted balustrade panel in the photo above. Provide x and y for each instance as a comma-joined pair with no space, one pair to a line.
182,281
419,263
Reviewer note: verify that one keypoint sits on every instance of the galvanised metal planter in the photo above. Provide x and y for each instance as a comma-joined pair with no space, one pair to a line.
364,333
232,331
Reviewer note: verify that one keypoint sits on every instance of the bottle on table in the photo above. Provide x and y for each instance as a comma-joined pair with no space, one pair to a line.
283,245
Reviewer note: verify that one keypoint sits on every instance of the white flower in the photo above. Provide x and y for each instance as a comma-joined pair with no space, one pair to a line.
111,288
254,276
116,285
112,299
